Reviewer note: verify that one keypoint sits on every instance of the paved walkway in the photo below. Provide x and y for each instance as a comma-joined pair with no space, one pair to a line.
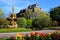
2,35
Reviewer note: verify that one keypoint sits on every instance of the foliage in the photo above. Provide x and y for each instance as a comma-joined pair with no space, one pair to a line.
43,21
53,23
3,23
3,38
21,22
1,14
29,23
55,13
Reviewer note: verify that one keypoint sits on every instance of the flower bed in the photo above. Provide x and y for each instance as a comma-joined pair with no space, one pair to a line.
37,36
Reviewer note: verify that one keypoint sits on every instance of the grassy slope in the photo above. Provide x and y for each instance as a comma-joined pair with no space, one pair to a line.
14,30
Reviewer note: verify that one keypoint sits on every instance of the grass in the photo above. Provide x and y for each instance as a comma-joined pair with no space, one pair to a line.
2,38
14,30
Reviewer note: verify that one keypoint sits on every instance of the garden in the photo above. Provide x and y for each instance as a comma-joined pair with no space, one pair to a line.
35,36
31,21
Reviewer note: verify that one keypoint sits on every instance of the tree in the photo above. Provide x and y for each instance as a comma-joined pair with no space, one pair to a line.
55,14
29,23
1,14
3,23
43,21
21,22
53,23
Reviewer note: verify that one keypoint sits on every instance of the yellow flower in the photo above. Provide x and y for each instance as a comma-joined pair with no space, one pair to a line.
18,35
29,35
49,33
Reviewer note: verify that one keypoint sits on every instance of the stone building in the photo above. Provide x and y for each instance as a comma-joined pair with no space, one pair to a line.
30,12
33,8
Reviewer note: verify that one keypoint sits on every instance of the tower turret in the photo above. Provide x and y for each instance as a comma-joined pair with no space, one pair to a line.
12,19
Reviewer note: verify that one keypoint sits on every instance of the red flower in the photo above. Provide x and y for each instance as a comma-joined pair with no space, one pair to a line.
54,34
34,33
31,33
41,35
44,34
58,35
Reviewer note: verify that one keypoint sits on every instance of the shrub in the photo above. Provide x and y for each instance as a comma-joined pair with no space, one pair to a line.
22,22
29,23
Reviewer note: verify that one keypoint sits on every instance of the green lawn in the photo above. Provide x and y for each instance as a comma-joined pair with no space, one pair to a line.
14,30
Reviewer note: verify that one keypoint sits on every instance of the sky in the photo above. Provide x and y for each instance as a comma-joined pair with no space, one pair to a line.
45,5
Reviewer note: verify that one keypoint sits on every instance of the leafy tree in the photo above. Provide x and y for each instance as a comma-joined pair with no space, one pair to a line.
29,23
1,14
3,23
55,14
21,22
53,23
42,22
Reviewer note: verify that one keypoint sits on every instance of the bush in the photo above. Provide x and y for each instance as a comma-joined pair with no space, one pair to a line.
53,23
29,23
42,22
3,23
21,22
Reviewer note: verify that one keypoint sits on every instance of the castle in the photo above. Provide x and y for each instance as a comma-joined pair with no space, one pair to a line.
30,12
33,8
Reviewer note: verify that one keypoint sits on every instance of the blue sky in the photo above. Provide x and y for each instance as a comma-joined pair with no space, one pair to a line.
46,5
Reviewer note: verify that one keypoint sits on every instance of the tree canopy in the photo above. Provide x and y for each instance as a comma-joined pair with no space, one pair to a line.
55,13
3,23
21,22
43,21
1,14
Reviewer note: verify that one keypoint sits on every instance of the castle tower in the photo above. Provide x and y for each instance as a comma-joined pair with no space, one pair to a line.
12,19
